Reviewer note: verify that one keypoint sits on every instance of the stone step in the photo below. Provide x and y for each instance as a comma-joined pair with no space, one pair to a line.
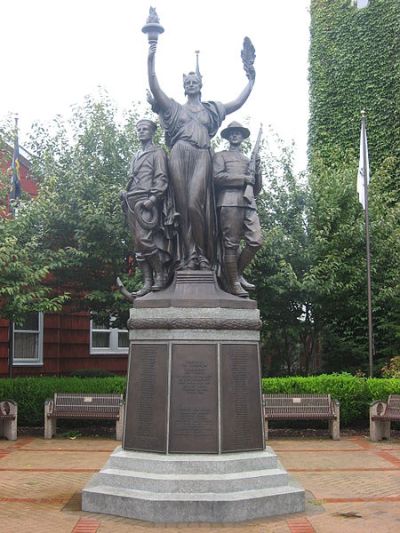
234,506
172,483
188,463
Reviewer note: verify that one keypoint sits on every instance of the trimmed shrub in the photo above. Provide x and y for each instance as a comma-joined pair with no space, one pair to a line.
91,373
379,389
354,393
31,393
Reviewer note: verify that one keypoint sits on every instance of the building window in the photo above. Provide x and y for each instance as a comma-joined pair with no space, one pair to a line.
106,340
28,341
360,3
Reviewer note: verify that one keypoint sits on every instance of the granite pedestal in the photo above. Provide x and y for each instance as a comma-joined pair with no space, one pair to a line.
193,445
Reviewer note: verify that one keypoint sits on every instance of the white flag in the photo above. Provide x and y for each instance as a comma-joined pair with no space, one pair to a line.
363,166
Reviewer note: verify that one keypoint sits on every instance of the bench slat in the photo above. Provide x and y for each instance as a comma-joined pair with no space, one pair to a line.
70,405
298,406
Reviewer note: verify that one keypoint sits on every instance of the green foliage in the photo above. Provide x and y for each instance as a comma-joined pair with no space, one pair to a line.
392,369
355,64
91,373
337,277
354,393
280,266
31,393
311,272
24,271
82,164
24,265
379,389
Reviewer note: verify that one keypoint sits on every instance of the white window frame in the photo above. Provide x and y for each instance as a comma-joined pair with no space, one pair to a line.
38,360
360,4
113,345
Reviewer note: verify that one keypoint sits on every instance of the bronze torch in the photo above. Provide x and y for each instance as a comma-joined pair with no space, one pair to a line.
153,27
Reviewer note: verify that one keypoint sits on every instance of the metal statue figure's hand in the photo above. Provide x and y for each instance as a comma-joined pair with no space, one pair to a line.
251,73
152,48
148,204
248,56
150,97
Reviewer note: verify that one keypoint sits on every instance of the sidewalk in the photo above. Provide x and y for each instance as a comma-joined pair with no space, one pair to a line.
352,486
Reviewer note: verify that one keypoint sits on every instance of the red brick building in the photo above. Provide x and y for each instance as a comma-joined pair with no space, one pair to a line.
55,343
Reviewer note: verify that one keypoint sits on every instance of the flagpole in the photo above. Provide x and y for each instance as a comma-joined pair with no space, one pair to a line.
15,192
369,289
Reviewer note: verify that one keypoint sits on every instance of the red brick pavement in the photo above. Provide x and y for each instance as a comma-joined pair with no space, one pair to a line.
86,525
352,485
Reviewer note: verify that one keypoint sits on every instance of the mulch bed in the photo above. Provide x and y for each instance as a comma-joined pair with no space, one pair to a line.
101,431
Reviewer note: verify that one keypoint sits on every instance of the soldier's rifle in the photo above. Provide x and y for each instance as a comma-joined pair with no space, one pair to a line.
248,192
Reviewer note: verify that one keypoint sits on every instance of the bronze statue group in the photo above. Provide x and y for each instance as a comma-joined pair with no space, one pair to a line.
194,209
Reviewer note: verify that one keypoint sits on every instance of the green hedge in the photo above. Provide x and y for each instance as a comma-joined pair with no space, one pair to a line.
354,393
31,393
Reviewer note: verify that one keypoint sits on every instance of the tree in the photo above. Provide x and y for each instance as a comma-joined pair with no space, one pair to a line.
338,258
77,216
24,272
24,267
311,272
288,337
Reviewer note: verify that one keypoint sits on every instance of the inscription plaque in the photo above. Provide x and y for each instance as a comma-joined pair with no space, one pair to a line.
147,399
241,409
194,399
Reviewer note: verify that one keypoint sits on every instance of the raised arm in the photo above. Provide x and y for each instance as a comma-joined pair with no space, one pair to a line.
240,100
159,96
248,56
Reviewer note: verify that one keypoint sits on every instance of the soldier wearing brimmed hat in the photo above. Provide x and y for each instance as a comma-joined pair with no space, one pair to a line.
143,203
236,190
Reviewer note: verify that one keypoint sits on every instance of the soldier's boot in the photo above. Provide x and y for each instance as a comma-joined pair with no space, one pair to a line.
245,258
232,276
159,272
147,272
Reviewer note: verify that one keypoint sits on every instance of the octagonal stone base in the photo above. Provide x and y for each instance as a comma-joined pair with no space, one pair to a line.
193,488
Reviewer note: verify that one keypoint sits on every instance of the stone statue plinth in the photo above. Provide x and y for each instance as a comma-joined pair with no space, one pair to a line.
194,375
193,446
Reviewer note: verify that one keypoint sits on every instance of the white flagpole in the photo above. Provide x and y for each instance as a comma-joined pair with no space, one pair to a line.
365,165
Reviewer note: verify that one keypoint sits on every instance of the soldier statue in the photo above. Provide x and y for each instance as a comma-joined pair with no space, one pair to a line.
144,203
237,183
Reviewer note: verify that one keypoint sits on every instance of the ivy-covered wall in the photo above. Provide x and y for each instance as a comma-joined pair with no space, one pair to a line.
355,65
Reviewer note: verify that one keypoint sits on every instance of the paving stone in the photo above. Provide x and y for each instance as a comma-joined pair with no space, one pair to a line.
353,485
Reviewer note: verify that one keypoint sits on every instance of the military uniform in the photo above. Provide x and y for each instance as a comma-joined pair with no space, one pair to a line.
145,204
148,181
235,191
237,215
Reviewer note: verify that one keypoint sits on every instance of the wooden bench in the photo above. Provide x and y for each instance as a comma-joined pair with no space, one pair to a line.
381,414
8,419
83,406
303,407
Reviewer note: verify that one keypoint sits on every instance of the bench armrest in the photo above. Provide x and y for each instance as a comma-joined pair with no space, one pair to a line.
377,408
336,407
8,408
48,407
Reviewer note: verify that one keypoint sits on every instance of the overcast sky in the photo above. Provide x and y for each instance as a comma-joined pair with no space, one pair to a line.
57,51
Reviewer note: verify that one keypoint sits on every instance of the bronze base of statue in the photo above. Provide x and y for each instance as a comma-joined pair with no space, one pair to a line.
194,288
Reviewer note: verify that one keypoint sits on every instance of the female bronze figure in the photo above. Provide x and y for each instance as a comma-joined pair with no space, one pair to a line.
188,130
